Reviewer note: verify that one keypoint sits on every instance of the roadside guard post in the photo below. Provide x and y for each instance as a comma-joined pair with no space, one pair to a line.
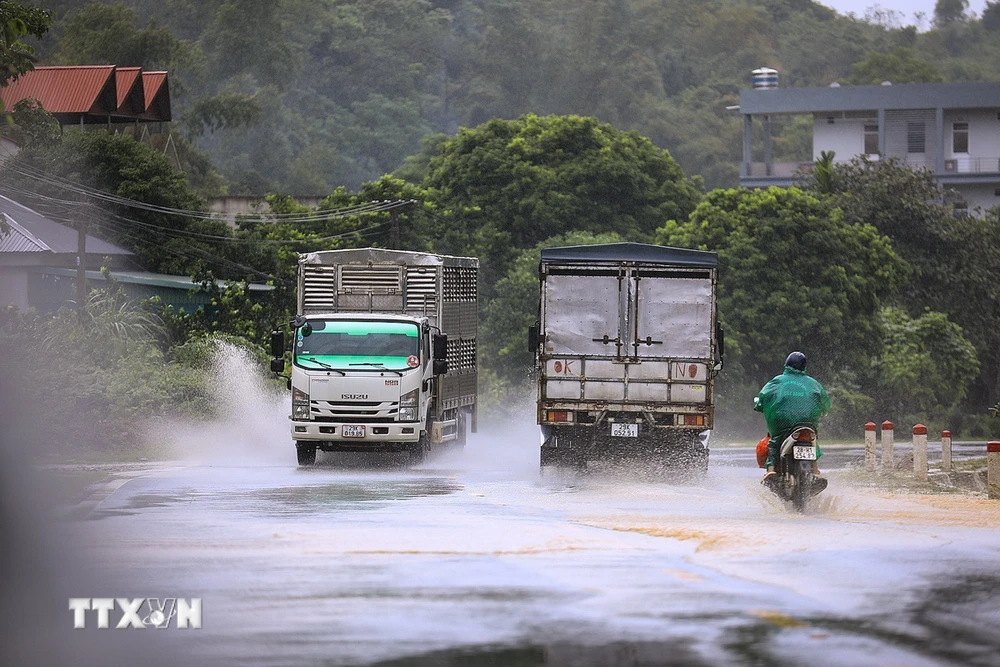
870,446
945,450
888,462
993,469
920,452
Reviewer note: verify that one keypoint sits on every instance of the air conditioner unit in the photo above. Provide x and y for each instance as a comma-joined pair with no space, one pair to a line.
951,165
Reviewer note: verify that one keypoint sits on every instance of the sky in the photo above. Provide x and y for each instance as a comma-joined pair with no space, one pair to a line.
905,7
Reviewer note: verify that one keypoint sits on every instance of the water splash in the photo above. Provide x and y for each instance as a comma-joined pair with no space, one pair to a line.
250,426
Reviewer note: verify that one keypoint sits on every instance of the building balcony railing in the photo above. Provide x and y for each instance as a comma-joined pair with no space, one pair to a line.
972,165
784,171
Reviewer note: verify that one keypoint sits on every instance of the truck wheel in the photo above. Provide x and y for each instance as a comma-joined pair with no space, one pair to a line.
306,453
463,429
419,453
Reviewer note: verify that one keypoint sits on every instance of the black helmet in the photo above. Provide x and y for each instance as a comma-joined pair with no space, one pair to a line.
796,360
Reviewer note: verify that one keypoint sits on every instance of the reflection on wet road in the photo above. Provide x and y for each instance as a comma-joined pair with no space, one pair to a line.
476,559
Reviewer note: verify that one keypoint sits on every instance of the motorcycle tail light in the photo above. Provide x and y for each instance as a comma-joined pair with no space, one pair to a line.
804,436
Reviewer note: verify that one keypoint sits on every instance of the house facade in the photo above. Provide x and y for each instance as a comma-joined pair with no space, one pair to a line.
953,130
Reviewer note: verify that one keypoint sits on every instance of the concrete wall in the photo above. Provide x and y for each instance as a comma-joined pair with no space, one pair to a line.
982,196
14,286
845,137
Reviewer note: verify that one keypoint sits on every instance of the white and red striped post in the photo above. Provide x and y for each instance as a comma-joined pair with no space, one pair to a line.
946,450
870,446
888,462
993,469
920,452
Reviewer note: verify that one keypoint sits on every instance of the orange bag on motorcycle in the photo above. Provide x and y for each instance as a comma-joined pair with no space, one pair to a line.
762,451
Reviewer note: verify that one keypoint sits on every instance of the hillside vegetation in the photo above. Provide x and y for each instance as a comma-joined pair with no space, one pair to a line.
301,96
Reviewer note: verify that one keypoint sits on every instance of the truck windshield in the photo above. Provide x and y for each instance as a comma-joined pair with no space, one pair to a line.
363,345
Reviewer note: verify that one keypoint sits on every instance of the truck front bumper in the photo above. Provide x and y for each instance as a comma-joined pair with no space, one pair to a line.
374,434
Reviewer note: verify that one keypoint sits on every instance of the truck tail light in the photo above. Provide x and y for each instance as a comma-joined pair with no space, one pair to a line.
559,416
691,420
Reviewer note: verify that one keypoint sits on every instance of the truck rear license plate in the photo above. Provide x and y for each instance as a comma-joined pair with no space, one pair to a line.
352,431
625,430
804,452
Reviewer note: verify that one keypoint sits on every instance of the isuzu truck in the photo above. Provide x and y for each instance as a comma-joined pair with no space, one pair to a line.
383,352
627,347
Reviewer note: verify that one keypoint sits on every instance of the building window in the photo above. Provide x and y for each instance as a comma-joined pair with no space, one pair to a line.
961,209
959,137
915,138
871,139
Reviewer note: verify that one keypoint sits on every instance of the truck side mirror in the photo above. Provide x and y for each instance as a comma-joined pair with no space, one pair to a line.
277,365
440,344
720,340
277,343
533,338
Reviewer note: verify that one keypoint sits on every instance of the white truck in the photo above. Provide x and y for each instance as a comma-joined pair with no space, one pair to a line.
383,352
627,347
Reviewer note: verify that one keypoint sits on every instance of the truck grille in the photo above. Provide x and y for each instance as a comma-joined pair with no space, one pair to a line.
354,411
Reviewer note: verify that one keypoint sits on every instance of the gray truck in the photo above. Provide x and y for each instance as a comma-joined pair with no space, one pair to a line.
627,347
384,352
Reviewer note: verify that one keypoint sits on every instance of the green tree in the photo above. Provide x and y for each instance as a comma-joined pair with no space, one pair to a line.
17,21
947,12
991,16
927,365
901,65
100,33
954,261
509,184
793,275
32,125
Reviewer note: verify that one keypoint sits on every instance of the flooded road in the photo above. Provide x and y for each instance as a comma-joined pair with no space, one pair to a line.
476,559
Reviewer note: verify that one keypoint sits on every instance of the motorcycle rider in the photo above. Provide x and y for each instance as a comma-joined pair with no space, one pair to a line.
789,400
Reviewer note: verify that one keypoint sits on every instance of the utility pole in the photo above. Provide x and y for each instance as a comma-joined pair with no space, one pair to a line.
394,230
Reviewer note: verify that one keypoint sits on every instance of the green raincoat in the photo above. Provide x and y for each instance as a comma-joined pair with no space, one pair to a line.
787,400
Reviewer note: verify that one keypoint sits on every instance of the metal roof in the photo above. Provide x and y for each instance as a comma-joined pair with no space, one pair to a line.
870,98
156,89
630,252
19,239
93,93
33,232
130,88
82,89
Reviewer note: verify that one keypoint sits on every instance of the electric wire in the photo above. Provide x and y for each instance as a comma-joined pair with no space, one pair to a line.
82,190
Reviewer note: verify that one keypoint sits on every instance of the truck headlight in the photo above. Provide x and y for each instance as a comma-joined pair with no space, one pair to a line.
300,404
408,406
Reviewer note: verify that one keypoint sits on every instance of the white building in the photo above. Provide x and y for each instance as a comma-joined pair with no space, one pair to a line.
952,129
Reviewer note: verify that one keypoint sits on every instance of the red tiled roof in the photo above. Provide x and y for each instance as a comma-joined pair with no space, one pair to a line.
126,78
76,89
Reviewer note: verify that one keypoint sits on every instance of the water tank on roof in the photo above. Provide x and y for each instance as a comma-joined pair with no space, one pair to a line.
765,77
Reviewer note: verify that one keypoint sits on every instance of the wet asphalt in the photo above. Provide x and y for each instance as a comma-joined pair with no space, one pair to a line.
476,558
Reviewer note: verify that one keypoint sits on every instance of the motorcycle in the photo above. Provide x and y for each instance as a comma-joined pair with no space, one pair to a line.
796,478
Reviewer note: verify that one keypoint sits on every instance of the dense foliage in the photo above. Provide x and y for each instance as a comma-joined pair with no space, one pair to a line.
315,95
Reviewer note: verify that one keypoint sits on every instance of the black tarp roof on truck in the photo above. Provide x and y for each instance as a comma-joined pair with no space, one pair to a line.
631,252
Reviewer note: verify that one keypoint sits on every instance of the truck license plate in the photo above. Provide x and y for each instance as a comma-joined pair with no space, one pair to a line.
804,452
352,431
624,430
